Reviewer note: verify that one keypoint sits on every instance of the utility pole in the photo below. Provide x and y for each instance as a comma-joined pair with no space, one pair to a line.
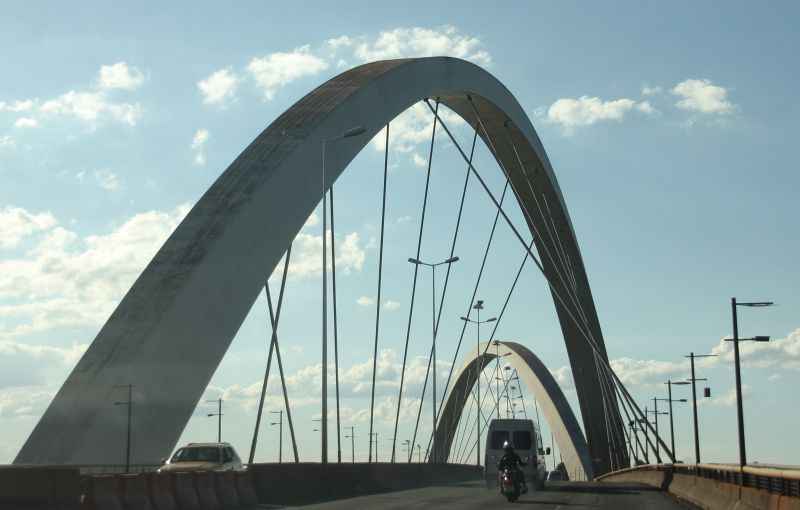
280,434
656,414
129,404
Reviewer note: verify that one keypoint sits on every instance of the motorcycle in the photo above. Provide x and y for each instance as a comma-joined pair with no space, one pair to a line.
509,486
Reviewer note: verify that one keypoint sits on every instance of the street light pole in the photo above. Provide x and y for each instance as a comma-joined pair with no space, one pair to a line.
693,380
352,442
478,306
129,404
669,384
376,444
433,335
736,340
280,434
354,131
219,420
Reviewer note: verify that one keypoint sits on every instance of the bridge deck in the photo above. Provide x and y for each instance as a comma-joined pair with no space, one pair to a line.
473,495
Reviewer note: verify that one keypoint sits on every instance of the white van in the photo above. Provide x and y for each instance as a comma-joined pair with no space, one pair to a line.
527,442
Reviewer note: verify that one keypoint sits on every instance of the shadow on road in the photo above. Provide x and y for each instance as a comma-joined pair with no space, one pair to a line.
601,488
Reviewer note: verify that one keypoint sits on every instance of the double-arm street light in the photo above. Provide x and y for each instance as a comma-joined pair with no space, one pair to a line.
671,420
129,404
279,423
354,131
707,393
656,413
478,306
352,438
736,340
433,266
218,414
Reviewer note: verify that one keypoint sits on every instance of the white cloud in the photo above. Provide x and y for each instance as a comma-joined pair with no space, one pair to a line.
584,111
365,301
219,87
651,91
92,107
419,160
66,280
17,106
277,70
107,180
391,305
646,108
421,42
702,96
7,142
198,146
641,372
414,127
23,364
306,261
24,401
17,223
728,399
781,353
119,76
337,43
25,122
404,219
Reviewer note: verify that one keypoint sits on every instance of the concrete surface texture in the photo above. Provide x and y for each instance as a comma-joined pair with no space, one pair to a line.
538,379
172,328
558,495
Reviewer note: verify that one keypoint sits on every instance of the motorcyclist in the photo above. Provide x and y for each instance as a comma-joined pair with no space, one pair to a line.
510,460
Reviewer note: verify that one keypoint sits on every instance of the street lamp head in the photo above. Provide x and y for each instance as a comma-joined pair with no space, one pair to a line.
451,260
464,319
354,131
682,400
761,339
478,305
210,415
414,261
491,320
756,304
680,383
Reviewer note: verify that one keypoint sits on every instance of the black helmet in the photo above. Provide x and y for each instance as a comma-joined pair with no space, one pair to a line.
508,447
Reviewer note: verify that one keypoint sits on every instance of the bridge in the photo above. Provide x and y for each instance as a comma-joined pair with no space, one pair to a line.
173,327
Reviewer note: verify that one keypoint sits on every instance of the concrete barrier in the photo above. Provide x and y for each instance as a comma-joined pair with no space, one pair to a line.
707,493
37,486
185,492
226,490
245,489
135,492
161,491
105,493
206,490
304,483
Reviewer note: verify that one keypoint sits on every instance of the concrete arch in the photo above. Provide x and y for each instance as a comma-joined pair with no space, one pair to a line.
540,382
172,328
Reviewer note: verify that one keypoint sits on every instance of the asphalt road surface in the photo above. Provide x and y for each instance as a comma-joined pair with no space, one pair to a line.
558,495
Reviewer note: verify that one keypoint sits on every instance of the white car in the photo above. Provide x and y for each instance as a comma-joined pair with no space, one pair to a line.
203,457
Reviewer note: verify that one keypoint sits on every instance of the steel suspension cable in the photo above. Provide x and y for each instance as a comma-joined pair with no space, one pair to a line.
378,301
283,383
335,335
272,340
444,290
587,335
414,284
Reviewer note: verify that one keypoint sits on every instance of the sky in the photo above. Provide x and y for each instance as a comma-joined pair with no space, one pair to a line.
669,127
